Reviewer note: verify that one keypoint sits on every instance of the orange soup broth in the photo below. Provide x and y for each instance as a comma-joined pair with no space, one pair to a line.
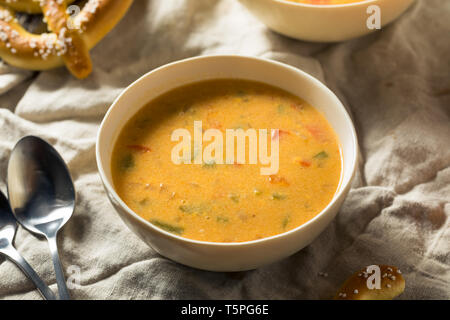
227,202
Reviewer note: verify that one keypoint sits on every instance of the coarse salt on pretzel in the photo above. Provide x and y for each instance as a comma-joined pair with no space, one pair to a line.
27,6
68,42
392,284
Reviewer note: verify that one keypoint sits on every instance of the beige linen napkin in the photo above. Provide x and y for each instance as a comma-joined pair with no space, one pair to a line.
395,83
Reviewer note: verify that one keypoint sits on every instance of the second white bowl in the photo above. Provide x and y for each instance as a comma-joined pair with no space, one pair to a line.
323,23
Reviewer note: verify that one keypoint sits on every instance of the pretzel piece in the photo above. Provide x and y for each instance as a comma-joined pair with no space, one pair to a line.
392,284
23,49
27,6
72,48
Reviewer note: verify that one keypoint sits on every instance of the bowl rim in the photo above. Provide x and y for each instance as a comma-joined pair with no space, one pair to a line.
299,4
338,194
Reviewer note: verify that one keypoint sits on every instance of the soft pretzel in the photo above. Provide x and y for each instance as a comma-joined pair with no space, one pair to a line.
68,42
391,283
27,6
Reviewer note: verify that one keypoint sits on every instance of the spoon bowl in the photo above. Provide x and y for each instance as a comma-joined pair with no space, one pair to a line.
40,188
8,224
41,194
8,228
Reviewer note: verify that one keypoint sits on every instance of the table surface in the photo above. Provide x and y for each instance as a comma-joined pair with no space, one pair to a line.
396,85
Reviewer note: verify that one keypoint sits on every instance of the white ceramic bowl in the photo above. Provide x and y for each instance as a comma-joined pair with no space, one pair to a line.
226,256
323,23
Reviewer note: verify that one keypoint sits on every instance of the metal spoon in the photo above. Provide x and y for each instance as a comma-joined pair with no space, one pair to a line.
41,194
8,228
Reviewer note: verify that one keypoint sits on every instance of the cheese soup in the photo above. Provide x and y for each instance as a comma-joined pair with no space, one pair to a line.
230,202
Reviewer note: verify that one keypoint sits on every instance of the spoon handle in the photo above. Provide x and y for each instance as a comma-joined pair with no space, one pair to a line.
17,258
60,280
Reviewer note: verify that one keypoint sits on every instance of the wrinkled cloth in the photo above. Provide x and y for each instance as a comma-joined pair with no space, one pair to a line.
395,84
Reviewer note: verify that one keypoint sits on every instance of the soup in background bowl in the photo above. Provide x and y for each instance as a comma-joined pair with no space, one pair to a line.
326,2
168,205
324,20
